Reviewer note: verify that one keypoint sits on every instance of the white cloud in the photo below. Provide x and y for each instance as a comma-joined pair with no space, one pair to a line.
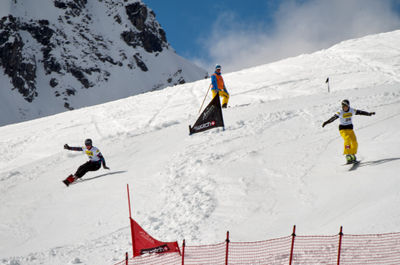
298,27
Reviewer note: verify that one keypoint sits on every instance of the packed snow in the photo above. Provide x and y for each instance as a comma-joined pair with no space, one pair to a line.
272,167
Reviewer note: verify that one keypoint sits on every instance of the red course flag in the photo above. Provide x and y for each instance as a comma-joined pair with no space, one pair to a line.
143,243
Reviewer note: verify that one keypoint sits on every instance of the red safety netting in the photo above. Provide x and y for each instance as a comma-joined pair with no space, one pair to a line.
315,250
207,254
371,249
274,251
307,250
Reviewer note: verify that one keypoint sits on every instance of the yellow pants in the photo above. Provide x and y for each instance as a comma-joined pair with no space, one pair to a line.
350,142
223,94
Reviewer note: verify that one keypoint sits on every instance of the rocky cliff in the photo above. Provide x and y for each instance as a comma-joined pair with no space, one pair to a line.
58,55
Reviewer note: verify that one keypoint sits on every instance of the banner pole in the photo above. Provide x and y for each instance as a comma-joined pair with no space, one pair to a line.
205,98
129,201
130,221
183,252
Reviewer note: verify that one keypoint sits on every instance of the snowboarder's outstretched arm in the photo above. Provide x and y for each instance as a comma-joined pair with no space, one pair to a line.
66,146
361,112
333,118
103,161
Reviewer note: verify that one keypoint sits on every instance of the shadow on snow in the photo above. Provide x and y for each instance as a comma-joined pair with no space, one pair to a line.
102,175
373,163
378,162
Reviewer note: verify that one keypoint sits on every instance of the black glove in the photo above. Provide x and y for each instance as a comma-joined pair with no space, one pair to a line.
323,124
371,113
105,167
66,146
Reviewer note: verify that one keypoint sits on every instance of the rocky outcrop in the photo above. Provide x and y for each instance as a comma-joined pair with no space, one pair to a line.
69,53
148,33
20,68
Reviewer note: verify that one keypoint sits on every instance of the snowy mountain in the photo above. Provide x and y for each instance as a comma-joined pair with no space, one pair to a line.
272,167
63,55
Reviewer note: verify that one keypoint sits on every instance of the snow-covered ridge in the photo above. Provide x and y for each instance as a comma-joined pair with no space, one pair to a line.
272,167
62,55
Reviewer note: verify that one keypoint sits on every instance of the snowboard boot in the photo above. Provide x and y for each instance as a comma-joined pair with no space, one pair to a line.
225,105
69,180
349,159
353,158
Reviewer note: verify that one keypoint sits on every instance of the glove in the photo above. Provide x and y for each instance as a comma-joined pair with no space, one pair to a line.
66,146
323,124
371,113
105,167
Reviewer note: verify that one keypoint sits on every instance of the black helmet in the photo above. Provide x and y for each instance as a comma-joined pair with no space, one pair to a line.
346,102
88,142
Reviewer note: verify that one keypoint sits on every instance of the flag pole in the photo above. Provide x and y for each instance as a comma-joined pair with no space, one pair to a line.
327,82
205,98
130,221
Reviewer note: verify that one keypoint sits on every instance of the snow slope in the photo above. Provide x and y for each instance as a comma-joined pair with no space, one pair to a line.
272,167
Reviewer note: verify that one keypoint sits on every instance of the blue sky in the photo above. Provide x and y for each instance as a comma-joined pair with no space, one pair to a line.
240,34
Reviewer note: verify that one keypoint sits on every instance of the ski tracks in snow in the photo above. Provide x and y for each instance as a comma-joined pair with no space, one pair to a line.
189,191
194,193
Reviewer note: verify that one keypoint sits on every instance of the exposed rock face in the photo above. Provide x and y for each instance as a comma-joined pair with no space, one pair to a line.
150,36
87,43
21,69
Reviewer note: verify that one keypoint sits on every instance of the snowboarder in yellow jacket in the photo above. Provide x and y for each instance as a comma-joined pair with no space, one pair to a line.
346,129
218,86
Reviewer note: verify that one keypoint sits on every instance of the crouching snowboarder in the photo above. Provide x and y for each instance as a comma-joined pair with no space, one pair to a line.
346,129
96,159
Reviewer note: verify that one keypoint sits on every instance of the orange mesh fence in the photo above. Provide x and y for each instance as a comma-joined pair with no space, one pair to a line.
371,249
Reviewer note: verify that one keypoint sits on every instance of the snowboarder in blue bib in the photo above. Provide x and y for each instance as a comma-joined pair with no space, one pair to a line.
346,129
96,159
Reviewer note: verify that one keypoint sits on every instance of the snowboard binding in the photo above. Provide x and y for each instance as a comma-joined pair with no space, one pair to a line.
351,159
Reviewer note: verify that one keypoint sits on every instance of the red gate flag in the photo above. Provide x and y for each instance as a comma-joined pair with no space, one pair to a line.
143,243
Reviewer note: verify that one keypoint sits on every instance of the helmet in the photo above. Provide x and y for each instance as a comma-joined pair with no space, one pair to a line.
346,102
88,142
218,67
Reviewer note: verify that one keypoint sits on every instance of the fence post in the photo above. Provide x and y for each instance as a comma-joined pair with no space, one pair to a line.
340,245
126,258
292,247
183,252
227,247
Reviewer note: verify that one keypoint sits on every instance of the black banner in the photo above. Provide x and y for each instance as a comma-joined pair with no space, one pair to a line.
210,118
159,249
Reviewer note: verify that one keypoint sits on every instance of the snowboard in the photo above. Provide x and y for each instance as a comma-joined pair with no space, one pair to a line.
353,165
69,180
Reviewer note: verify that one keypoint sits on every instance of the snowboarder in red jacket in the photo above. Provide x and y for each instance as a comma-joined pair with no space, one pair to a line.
96,159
